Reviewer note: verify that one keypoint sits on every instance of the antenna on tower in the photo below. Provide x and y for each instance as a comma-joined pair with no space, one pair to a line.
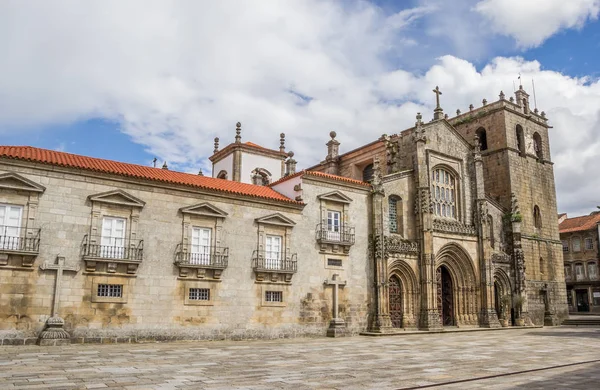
534,99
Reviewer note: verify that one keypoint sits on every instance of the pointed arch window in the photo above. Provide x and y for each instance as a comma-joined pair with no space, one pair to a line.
367,173
443,193
482,137
396,217
537,146
520,139
537,218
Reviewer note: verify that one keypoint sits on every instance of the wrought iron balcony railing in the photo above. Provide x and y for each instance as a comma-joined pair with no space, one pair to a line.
22,240
201,256
113,248
269,261
343,235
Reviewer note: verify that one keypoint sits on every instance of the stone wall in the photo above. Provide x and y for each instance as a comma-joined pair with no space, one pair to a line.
154,304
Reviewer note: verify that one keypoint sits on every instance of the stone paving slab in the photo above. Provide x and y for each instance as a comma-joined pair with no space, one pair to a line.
482,360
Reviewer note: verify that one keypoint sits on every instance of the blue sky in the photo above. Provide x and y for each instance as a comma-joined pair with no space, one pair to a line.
162,79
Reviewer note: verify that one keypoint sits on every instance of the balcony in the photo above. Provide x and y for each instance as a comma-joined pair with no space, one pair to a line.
335,237
201,259
128,253
23,242
273,265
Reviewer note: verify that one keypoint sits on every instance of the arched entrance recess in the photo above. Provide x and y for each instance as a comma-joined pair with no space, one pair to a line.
457,286
402,294
502,288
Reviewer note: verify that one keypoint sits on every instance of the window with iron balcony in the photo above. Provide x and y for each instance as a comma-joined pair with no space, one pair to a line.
334,233
273,260
113,244
201,253
19,238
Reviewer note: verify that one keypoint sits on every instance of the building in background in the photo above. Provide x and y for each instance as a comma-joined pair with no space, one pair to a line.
579,236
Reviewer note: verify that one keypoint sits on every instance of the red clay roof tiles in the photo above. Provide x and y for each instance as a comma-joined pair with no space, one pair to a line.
325,175
28,153
579,224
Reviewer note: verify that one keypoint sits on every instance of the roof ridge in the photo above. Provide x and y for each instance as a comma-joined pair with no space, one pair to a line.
53,157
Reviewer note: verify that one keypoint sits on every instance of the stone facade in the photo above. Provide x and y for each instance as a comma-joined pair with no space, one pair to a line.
449,223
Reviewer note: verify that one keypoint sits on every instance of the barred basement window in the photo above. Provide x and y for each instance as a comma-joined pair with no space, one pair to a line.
199,294
110,290
334,262
273,296
443,193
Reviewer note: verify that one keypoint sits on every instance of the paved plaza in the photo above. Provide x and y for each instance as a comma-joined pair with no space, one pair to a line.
547,358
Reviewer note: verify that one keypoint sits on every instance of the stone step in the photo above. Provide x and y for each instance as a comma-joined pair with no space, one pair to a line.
582,322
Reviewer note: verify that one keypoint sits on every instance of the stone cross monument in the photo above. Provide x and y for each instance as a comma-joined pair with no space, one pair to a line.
337,326
54,333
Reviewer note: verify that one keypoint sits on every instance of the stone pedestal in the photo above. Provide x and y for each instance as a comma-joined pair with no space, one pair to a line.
337,328
489,319
54,334
382,323
551,319
430,320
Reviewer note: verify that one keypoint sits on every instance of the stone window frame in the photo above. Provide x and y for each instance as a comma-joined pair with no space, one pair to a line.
537,218
538,146
17,190
565,245
482,137
456,200
583,274
189,284
261,174
118,280
335,201
520,139
587,269
222,175
587,247
275,224
568,275
202,215
326,259
576,248
398,215
276,288
114,204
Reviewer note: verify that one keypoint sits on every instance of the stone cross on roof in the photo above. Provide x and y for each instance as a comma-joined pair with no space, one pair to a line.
437,96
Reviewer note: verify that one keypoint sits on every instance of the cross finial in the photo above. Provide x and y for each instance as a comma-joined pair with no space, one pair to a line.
437,96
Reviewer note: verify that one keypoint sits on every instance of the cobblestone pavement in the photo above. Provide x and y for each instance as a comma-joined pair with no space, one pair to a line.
549,358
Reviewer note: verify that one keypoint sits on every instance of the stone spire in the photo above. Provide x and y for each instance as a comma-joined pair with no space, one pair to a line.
165,166
282,142
216,149
290,164
238,131
438,113
333,147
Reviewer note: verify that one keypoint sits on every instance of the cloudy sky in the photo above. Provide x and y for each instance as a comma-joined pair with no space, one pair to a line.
133,80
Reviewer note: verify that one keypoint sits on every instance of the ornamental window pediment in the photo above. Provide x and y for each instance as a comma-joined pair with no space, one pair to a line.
113,245
201,252
273,260
334,233
19,236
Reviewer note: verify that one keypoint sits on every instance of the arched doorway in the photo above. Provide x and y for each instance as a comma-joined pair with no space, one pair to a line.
497,296
445,297
395,300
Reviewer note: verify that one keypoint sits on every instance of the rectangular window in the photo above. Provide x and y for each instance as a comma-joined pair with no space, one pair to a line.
333,225
596,296
592,270
579,272
565,246
112,243
110,290
568,272
576,245
334,262
200,251
273,296
273,252
10,225
199,294
589,244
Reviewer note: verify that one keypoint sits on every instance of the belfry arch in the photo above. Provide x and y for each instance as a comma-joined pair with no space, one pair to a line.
456,271
407,297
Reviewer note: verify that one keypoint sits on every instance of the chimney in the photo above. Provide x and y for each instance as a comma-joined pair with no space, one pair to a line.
165,166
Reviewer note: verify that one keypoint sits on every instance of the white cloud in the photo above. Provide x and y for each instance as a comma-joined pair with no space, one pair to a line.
531,22
177,74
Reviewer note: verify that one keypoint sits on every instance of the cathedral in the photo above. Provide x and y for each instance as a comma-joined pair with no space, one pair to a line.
448,224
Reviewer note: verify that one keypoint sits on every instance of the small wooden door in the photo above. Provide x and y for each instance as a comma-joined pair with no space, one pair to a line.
396,307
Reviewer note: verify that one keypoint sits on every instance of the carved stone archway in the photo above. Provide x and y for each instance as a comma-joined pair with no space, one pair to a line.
464,283
503,288
409,291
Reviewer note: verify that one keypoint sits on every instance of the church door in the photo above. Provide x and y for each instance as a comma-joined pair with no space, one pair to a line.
445,300
497,301
395,293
